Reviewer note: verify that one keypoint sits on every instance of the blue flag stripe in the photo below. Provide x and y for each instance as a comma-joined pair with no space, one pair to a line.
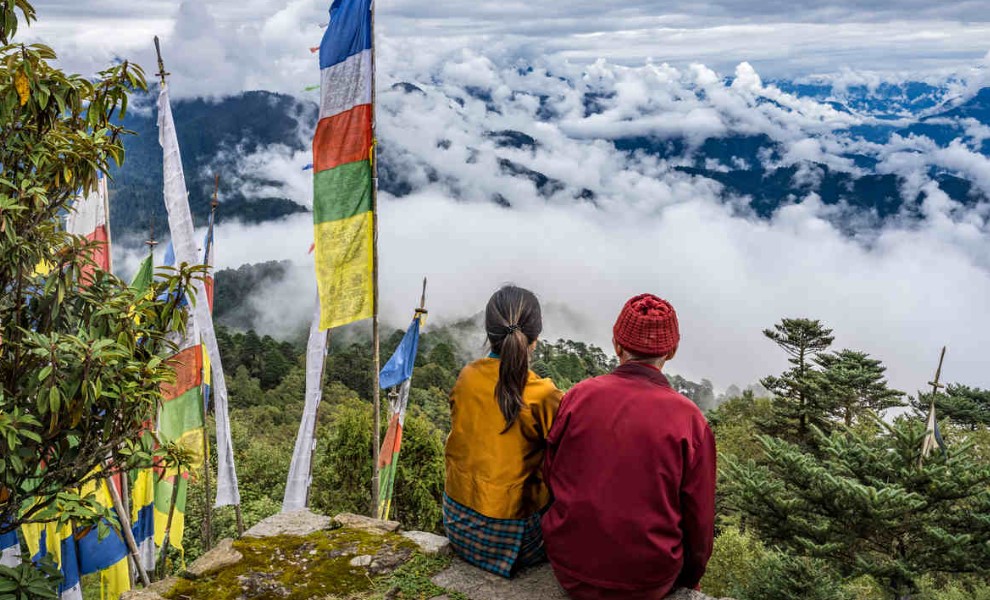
349,32
400,367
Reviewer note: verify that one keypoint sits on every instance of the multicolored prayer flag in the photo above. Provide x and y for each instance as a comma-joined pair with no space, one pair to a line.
10,549
180,420
108,556
208,261
143,481
57,541
181,228
396,372
88,218
342,169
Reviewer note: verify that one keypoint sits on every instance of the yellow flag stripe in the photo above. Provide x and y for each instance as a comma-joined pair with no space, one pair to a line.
344,263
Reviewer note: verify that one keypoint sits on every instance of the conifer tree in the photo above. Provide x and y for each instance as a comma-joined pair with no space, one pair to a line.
965,406
797,403
854,382
868,506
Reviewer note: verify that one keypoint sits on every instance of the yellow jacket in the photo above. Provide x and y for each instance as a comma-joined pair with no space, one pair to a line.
500,475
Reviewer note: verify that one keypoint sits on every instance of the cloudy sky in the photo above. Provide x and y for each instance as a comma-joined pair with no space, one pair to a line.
676,69
224,46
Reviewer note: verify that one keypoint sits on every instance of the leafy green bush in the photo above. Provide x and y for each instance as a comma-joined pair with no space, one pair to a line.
783,577
731,566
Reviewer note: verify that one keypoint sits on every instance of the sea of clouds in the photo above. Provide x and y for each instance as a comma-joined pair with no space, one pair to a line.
898,289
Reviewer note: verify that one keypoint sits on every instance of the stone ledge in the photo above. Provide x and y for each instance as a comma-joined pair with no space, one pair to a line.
536,583
366,524
298,523
429,543
221,556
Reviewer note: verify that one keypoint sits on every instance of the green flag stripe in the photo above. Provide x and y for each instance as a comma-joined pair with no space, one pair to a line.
342,192
163,495
181,414
142,280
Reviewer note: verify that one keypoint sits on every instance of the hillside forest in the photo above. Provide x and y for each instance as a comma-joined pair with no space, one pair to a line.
820,496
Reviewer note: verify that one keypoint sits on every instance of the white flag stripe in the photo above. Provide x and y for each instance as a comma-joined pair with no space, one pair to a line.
345,85
88,212
10,557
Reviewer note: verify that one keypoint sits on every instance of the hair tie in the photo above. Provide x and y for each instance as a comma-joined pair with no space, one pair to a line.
512,329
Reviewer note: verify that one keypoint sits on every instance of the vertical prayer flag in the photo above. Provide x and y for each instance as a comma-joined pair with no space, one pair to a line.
10,549
88,218
181,228
300,469
208,261
396,372
108,556
342,170
180,420
143,480
57,541
143,516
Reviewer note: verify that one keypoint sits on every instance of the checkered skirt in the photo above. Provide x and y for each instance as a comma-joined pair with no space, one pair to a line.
501,546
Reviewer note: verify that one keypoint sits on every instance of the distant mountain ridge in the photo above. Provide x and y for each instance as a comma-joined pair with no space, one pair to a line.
754,166
211,136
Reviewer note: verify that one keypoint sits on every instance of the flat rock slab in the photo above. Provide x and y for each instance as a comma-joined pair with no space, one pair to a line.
429,543
536,583
298,522
154,592
362,523
221,556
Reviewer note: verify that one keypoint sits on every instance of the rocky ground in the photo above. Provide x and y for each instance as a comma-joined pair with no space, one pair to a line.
301,555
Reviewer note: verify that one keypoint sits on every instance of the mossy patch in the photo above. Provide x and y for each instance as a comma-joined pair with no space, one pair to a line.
413,580
299,568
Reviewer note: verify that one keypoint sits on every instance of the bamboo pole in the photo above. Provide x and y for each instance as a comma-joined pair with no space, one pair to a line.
376,342
163,554
125,502
207,500
240,520
125,528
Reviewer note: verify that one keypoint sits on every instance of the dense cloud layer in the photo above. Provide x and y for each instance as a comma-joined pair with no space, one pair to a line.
608,224
898,288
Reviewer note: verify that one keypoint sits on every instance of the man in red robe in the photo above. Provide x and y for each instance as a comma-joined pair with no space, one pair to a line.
631,467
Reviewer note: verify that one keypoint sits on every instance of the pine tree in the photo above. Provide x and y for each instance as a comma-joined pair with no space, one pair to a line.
966,406
855,382
798,405
867,506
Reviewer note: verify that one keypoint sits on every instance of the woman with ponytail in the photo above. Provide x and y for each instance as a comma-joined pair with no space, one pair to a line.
500,414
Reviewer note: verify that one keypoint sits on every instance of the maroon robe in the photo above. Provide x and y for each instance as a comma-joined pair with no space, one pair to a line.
631,467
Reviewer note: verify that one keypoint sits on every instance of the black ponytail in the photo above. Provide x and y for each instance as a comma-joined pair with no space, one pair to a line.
513,321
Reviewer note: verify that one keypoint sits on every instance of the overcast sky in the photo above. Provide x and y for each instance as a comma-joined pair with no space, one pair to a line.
224,46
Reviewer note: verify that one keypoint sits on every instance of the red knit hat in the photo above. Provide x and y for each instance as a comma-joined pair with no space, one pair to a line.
647,325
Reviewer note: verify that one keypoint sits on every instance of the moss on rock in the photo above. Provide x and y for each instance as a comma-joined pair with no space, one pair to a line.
297,568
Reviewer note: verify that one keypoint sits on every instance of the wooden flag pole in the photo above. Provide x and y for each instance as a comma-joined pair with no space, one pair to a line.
207,499
929,444
168,523
376,341
125,528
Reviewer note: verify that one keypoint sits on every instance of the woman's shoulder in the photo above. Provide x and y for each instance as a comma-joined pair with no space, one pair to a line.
539,389
477,371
